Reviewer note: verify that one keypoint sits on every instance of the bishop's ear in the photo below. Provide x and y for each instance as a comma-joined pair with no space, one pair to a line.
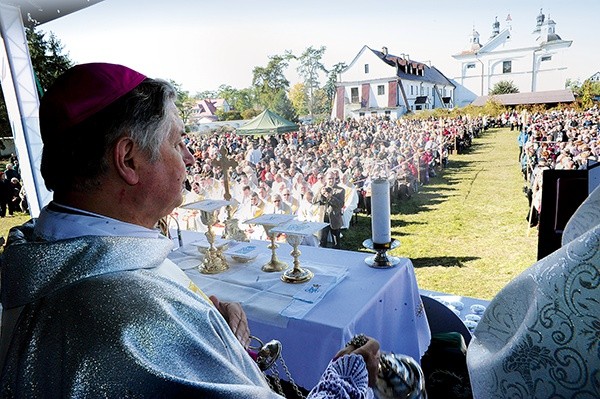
125,158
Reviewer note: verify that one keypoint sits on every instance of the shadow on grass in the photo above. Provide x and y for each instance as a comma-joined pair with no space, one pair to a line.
363,222
423,200
444,261
398,223
436,192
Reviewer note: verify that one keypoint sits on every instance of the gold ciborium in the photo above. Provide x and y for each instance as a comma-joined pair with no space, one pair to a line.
269,221
214,260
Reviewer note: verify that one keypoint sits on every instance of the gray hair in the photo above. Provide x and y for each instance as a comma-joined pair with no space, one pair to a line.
143,114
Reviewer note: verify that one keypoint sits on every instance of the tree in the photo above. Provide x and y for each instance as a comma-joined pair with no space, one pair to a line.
299,98
493,107
269,80
309,68
504,87
282,106
48,62
232,115
250,113
573,85
239,100
203,95
332,78
322,103
586,91
184,103
586,94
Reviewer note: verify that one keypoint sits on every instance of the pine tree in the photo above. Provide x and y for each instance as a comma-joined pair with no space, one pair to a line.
48,62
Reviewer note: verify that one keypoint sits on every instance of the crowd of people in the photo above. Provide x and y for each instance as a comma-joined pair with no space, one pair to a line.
93,307
562,140
293,173
12,193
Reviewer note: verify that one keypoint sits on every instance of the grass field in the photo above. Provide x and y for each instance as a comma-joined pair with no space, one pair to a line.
465,232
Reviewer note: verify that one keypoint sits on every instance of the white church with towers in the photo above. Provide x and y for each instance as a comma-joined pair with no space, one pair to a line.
533,64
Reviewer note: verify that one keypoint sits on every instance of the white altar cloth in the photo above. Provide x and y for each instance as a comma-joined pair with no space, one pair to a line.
382,303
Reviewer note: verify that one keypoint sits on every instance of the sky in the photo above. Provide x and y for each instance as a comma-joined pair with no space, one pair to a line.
203,44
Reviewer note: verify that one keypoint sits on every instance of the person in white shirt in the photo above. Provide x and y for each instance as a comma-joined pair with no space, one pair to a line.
290,201
277,206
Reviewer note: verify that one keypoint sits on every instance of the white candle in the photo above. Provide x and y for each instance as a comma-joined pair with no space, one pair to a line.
380,212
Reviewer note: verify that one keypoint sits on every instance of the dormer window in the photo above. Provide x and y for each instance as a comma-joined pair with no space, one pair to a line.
366,68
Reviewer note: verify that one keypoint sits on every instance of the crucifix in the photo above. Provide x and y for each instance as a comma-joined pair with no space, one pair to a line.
225,163
232,230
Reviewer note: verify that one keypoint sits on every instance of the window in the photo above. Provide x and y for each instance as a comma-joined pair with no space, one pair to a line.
470,66
506,66
546,58
361,114
354,95
411,90
380,90
366,68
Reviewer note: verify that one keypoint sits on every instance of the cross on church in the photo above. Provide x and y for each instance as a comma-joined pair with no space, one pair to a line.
226,163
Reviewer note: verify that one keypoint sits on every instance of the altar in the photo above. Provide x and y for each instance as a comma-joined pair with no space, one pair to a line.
315,319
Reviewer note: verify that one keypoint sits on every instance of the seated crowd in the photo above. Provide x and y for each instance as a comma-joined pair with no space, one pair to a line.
560,139
286,173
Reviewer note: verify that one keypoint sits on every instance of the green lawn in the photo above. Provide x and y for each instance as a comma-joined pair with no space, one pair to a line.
465,232
9,221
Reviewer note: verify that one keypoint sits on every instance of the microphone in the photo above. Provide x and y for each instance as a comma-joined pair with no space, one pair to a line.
179,237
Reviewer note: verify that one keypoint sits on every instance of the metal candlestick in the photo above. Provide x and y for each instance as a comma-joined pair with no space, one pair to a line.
381,260
297,274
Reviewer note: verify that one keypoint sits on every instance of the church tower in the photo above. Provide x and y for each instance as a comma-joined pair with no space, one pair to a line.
548,31
474,43
495,29
538,23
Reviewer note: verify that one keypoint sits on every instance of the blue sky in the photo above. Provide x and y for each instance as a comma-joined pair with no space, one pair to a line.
202,44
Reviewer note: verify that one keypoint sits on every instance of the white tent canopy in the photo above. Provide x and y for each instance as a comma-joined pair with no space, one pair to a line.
18,85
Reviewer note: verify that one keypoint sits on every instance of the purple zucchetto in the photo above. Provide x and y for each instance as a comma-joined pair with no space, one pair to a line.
81,92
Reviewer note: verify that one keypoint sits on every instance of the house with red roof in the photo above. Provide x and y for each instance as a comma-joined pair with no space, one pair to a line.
377,83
